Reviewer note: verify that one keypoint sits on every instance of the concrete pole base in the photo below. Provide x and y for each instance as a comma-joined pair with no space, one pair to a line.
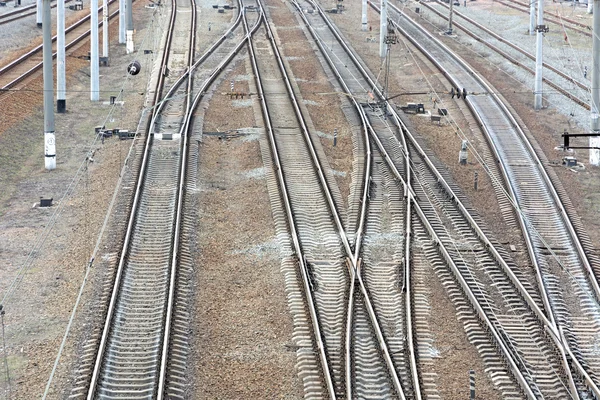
50,163
130,46
49,151
364,27
61,106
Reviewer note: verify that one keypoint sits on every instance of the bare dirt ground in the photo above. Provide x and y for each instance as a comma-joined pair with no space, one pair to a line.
242,328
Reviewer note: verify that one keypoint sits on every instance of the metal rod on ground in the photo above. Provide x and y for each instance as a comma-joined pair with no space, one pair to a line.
122,13
531,17
38,13
129,33
472,384
49,143
5,355
94,56
105,29
383,29
61,89
538,55
364,15
595,85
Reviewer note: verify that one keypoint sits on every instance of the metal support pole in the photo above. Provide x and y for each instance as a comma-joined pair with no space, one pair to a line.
538,55
531,17
38,13
122,13
94,56
129,33
364,15
49,143
61,85
105,28
383,29
595,85
449,32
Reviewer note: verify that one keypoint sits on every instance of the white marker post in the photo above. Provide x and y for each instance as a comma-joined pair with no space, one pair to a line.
105,29
538,55
383,29
595,86
364,15
94,56
122,12
531,17
38,13
129,33
49,138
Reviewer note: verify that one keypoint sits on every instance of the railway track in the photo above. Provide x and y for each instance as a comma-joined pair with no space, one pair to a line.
367,365
556,18
133,352
17,71
563,82
566,280
142,349
21,12
521,350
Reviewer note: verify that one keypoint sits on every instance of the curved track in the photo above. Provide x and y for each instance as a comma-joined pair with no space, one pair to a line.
472,284
553,243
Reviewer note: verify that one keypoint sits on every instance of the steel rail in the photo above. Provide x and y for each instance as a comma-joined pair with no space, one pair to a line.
565,92
359,232
353,256
21,13
525,8
133,213
37,49
551,324
548,320
367,129
482,235
193,67
178,217
292,225
530,148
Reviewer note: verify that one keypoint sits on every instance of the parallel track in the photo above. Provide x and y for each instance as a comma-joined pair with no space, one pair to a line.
22,12
551,17
367,363
553,243
561,81
165,132
29,63
134,348
482,301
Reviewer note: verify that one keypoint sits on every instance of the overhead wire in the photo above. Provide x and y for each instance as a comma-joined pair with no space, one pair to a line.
500,187
108,213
